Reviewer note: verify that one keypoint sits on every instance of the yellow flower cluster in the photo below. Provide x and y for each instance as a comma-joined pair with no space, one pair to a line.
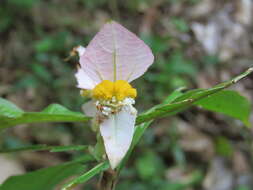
119,89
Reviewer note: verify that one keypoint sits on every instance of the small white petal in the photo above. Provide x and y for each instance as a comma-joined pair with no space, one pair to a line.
117,132
128,101
89,108
107,108
83,80
80,50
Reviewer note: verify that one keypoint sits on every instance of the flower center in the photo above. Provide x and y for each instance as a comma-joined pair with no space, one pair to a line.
107,90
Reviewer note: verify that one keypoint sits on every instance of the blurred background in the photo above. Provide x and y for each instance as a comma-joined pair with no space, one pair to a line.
196,43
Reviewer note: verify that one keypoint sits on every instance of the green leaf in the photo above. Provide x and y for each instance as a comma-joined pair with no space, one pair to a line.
59,109
174,95
68,148
43,179
9,109
11,115
230,103
46,147
86,176
186,100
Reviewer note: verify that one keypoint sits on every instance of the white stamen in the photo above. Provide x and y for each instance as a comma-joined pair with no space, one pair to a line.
128,101
113,106
107,108
113,99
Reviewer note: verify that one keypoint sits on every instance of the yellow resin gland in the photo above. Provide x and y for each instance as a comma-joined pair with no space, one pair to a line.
120,90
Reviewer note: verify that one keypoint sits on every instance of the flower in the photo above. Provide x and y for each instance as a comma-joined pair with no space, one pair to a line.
113,59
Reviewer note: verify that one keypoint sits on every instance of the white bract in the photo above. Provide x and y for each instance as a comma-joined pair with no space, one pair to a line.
113,59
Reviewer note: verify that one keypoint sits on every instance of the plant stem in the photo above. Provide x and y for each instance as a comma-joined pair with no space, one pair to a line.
108,180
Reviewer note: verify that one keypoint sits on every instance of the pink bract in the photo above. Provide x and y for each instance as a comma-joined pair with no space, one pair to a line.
115,54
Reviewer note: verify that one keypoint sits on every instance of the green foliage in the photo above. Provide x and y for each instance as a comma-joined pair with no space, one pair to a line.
11,115
210,99
68,148
46,147
38,35
230,103
186,100
174,95
42,179
9,109
87,175
173,104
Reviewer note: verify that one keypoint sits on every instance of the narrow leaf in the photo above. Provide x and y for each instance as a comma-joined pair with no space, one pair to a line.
11,115
68,148
174,95
43,147
86,176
